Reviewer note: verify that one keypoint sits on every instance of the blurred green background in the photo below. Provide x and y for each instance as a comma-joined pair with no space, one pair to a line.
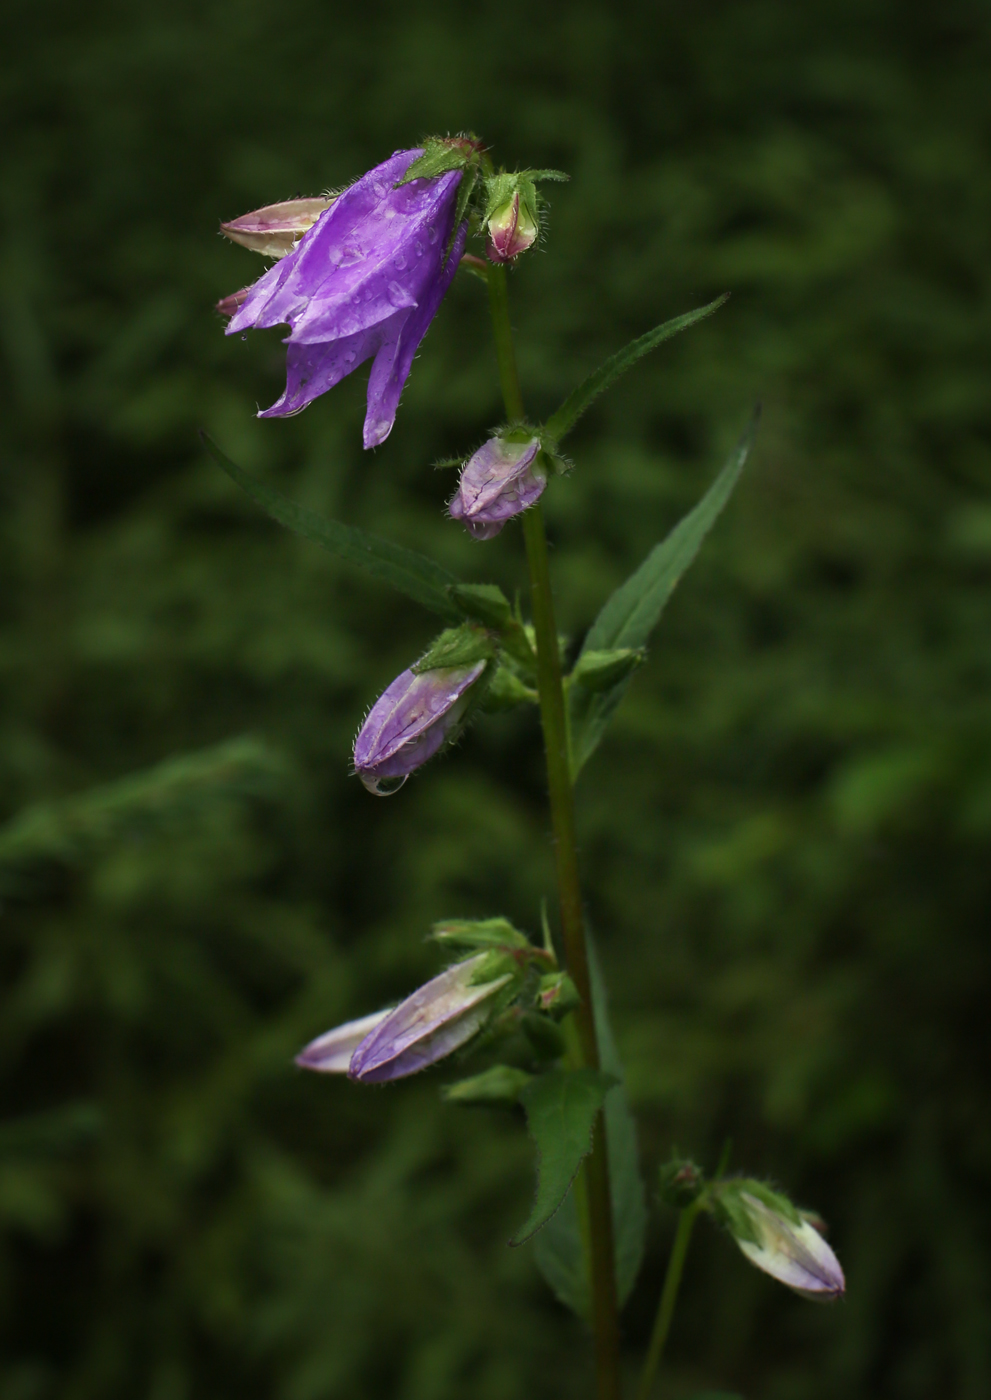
786,835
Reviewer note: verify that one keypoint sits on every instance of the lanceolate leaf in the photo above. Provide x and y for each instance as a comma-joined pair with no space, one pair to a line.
632,612
560,1108
413,574
561,422
559,1253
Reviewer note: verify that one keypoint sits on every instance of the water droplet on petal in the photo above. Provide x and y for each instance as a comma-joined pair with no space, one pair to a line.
419,248
349,358
432,234
400,263
397,294
383,787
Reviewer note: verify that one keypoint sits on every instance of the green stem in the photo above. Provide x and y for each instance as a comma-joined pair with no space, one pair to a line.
605,1320
669,1296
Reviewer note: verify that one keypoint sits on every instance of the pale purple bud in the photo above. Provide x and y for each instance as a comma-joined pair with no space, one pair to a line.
364,283
498,482
512,231
276,229
435,1021
409,722
227,306
789,1249
331,1052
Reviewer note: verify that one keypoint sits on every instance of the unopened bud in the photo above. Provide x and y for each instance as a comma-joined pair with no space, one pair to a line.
432,1023
276,229
499,481
410,722
557,994
778,1238
513,228
331,1052
681,1182
494,933
227,306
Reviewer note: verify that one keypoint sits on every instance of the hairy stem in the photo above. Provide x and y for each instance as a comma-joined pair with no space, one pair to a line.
553,717
669,1296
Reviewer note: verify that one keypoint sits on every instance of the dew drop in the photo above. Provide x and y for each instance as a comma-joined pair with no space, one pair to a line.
383,787
244,337
397,294
432,234
419,248
349,358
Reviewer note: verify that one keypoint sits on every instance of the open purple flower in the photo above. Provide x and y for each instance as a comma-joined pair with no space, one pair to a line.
409,722
364,283
331,1052
498,482
438,1018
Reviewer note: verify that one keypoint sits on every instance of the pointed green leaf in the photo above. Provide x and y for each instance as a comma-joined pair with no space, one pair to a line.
632,612
561,422
558,1247
560,1108
413,574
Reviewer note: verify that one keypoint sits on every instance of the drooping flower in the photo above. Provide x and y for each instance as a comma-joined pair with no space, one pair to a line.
363,283
331,1052
779,1239
435,1021
409,722
499,481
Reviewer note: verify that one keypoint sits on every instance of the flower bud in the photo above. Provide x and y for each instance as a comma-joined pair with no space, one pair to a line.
228,306
432,1023
276,229
779,1239
498,482
681,1182
557,994
331,1052
409,722
513,228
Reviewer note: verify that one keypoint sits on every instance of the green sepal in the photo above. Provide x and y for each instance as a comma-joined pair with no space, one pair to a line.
560,423
496,963
457,646
480,933
486,603
440,154
506,691
544,1034
502,1084
723,1201
561,1107
601,670
557,994
501,187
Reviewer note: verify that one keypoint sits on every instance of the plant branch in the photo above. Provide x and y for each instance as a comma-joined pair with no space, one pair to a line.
669,1296
561,792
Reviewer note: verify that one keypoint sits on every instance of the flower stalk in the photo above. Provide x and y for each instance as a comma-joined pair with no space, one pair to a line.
669,1297
605,1321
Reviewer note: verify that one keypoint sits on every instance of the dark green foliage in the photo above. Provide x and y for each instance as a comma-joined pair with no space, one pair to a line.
786,831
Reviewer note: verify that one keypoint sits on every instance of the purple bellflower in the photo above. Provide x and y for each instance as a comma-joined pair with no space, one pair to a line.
364,283
435,1021
498,482
780,1240
409,722
331,1053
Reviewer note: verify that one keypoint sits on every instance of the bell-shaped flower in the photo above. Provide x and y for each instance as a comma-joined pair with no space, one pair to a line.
331,1052
435,1021
499,481
410,721
779,1239
364,283
275,230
